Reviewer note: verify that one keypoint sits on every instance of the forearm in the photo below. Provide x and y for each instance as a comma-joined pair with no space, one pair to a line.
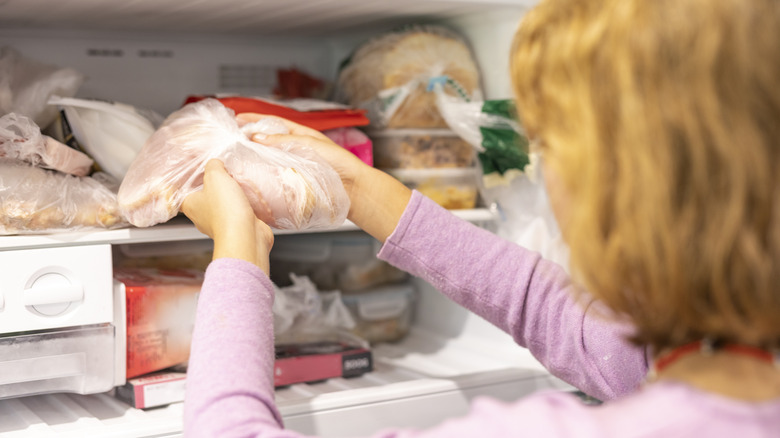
229,381
515,289
377,202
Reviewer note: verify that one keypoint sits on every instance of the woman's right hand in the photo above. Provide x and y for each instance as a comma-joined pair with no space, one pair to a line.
347,165
377,200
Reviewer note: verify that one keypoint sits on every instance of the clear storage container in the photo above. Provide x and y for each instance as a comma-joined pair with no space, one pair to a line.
420,149
383,314
453,189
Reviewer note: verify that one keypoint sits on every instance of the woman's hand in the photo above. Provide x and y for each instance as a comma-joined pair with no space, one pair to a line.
377,200
348,166
221,211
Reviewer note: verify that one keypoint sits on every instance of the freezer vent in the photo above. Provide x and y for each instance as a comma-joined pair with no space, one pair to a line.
154,53
105,53
246,76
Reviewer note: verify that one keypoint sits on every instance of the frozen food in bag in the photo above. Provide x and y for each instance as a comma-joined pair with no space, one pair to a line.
390,76
21,139
289,187
35,200
26,85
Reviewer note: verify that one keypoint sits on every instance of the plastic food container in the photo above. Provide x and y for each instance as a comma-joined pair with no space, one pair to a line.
453,189
383,314
420,149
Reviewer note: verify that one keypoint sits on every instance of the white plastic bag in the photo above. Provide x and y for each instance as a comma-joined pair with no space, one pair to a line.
289,187
21,139
110,132
300,311
26,85
525,216
35,200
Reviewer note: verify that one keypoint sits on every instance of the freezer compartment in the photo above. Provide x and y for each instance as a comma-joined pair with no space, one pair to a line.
418,382
449,357
79,360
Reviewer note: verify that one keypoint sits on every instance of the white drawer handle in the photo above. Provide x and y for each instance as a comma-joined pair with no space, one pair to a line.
37,296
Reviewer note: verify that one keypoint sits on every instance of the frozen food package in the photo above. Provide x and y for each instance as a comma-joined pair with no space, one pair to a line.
26,85
160,307
390,76
21,139
35,200
492,128
289,187
382,314
110,132
353,140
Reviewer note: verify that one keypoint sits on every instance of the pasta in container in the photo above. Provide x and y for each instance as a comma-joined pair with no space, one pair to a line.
289,187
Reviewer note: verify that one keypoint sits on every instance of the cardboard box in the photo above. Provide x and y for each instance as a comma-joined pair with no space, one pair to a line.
156,389
160,308
316,361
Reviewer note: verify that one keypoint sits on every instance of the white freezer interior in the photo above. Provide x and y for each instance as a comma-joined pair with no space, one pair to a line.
450,356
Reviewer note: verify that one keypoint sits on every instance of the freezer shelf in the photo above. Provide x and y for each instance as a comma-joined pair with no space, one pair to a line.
178,229
416,383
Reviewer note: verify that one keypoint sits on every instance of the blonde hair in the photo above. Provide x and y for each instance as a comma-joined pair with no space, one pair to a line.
662,117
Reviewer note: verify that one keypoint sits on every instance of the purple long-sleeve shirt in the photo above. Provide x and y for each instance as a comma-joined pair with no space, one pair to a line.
230,386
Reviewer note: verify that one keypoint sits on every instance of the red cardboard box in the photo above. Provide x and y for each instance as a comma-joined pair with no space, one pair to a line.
315,361
152,390
160,309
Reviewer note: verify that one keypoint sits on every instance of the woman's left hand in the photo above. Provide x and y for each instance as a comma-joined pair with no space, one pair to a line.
221,211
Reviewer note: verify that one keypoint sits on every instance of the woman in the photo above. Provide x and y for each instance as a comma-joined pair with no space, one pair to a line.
658,125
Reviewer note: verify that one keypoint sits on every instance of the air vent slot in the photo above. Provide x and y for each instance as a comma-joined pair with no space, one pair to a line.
155,53
246,76
105,53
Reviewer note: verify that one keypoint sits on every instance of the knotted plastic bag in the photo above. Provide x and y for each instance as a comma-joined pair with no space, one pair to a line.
289,187
21,139
35,200
390,76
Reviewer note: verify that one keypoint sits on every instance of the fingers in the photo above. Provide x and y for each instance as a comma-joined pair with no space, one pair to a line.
213,167
294,128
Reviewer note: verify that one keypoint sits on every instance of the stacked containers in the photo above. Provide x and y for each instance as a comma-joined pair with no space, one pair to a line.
393,77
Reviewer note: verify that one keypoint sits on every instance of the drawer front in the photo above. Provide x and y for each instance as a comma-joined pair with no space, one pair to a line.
55,287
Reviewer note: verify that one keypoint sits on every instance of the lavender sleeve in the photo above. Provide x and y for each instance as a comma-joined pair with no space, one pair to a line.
229,387
515,289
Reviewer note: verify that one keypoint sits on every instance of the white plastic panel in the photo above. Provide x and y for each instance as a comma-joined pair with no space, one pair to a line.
79,360
56,287
268,17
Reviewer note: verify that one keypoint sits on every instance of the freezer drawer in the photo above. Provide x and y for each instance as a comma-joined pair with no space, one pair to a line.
48,288
79,360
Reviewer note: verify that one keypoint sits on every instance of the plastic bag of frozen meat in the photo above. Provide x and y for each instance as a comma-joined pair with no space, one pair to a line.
21,139
35,200
289,187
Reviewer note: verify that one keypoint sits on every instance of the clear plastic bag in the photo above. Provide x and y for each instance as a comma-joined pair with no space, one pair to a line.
301,312
35,200
289,187
390,76
26,85
21,139
511,183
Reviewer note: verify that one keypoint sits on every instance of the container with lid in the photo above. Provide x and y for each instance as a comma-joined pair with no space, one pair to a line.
420,149
382,314
454,188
